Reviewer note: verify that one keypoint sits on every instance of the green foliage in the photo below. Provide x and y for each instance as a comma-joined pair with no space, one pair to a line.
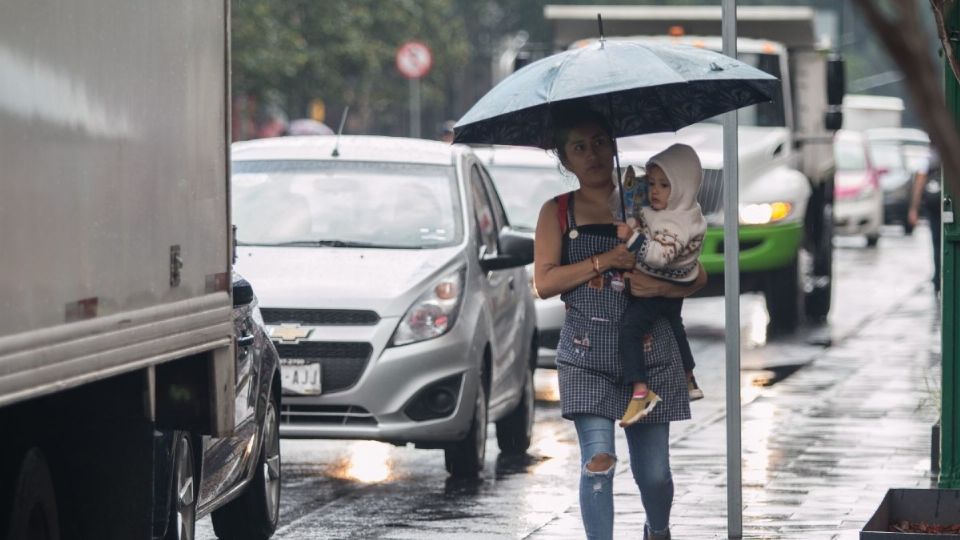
289,52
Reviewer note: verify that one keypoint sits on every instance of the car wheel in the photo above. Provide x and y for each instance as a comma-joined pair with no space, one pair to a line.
464,459
873,239
34,503
183,502
254,515
783,293
515,430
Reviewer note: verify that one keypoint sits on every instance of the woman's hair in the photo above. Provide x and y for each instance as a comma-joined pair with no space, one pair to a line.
565,118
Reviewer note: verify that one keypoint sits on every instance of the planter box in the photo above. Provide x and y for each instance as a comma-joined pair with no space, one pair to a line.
932,506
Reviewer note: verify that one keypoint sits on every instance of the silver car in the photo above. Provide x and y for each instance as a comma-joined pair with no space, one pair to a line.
526,178
394,289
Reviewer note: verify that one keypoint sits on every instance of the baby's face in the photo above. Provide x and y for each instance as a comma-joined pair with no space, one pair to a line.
659,188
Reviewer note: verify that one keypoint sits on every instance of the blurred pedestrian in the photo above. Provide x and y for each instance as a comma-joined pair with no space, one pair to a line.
925,195
446,131
578,255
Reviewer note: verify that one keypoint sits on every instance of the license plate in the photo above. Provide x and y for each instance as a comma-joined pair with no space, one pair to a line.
298,376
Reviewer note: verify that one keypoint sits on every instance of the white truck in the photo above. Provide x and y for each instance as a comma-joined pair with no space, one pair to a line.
786,161
862,112
115,275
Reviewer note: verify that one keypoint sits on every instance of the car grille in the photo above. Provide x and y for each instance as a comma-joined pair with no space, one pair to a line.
711,192
341,363
341,415
320,317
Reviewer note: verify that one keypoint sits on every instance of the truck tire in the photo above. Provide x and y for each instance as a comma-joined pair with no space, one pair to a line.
33,514
515,430
254,515
783,294
464,459
183,498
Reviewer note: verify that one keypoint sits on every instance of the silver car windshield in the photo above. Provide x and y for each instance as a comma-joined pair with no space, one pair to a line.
849,156
523,191
345,204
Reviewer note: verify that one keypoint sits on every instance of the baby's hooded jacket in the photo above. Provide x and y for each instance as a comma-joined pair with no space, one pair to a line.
668,241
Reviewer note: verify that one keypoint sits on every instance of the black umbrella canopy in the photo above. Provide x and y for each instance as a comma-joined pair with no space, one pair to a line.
640,87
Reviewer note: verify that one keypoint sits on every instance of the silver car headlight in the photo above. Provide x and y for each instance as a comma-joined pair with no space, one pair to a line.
434,313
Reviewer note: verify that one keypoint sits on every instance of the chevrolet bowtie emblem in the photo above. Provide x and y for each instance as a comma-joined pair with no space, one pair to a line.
286,332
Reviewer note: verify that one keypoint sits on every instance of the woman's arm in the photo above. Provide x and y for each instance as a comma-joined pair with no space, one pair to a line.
646,286
551,278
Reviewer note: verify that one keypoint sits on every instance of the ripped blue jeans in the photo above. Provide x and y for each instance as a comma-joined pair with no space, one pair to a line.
649,461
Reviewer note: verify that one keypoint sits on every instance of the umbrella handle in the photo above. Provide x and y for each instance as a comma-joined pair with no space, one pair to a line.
623,203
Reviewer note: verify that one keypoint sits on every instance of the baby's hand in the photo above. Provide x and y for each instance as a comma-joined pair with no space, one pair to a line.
624,232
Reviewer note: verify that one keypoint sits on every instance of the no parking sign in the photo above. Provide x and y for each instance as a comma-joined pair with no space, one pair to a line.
414,59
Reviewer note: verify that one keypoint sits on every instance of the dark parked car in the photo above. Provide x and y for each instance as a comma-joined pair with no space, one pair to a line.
235,478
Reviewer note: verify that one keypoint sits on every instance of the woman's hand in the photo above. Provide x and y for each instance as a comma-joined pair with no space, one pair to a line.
646,286
619,257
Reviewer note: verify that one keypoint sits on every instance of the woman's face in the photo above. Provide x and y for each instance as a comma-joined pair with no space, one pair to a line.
589,152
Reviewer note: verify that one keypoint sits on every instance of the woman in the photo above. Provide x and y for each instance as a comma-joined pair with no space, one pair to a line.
577,255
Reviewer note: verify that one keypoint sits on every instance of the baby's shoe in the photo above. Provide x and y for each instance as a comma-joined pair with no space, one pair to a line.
639,406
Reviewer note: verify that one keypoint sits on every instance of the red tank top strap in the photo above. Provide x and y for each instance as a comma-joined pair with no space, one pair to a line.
563,203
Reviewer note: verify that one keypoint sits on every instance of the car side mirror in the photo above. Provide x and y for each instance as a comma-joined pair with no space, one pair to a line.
836,88
516,249
833,119
242,293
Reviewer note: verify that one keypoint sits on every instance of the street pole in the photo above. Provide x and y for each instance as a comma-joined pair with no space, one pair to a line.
415,107
950,296
731,276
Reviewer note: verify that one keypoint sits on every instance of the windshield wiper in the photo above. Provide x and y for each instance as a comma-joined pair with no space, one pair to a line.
332,243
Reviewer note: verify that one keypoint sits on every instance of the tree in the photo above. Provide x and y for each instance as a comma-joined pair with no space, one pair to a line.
897,25
342,51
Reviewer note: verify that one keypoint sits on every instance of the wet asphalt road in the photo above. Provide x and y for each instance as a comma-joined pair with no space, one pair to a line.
364,489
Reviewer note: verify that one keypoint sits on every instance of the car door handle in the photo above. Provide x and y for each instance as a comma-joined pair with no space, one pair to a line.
510,282
245,340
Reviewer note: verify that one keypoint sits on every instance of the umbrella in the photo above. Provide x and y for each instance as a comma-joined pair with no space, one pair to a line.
642,88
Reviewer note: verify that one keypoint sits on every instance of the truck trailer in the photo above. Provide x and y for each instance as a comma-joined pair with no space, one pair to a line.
115,275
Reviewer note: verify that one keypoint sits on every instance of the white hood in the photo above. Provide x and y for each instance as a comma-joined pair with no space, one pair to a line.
383,280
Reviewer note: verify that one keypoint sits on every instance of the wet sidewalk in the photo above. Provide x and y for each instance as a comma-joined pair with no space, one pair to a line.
820,448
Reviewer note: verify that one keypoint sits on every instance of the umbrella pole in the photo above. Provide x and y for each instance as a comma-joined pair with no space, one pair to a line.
623,203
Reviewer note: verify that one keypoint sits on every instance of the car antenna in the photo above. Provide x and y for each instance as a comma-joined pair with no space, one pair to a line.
343,120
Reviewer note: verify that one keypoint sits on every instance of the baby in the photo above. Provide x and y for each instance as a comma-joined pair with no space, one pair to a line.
667,240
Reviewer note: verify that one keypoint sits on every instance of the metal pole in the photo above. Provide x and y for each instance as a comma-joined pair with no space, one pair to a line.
415,107
950,297
731,275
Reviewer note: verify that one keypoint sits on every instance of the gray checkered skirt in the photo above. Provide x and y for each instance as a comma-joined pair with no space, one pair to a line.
588,354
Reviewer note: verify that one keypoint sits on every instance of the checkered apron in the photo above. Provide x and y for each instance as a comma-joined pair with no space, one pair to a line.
588,359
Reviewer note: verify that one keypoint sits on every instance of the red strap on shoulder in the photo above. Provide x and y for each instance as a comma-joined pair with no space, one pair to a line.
563,201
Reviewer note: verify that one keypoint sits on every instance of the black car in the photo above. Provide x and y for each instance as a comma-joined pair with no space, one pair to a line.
236,479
